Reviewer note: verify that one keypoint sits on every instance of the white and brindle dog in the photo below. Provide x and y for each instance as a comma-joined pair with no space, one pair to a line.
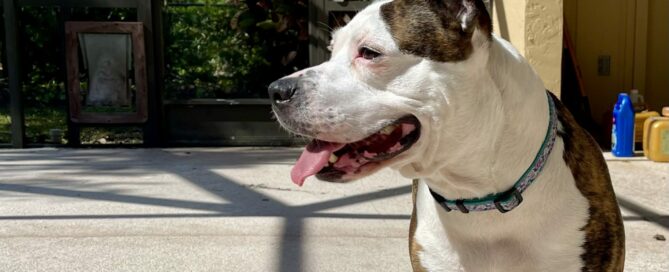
505,180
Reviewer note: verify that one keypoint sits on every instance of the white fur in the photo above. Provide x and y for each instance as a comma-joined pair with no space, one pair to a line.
483,121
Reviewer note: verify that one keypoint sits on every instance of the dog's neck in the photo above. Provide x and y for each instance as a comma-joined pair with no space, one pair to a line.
494,127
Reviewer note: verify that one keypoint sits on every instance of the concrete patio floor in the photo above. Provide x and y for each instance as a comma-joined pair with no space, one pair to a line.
235,209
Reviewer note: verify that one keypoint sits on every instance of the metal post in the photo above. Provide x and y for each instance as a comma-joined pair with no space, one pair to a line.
158,49
318,37
73,129
148,12
15,99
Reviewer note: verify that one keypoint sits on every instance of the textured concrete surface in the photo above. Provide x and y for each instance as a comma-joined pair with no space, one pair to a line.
235,209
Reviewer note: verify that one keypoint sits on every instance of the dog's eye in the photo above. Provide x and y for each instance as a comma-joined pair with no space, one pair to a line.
367,53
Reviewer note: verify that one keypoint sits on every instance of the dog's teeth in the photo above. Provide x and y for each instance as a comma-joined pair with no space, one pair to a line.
388,130
333,158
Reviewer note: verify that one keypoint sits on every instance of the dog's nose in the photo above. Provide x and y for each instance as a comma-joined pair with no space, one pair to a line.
282,90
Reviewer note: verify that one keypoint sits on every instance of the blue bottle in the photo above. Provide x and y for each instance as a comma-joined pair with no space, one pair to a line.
622,133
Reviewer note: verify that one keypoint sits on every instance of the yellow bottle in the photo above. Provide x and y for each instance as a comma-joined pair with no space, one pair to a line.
656,137
640,119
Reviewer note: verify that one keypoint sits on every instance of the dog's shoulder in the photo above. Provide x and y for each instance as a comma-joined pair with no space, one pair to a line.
604,233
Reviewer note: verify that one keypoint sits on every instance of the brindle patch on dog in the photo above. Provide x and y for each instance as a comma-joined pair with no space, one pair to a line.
434,29
414,247
604,234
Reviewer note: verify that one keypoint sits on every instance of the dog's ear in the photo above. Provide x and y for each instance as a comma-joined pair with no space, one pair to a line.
440,30
466,12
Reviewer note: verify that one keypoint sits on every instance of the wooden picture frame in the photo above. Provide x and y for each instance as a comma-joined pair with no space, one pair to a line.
72,45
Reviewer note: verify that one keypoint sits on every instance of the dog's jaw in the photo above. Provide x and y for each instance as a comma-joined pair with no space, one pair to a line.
342,162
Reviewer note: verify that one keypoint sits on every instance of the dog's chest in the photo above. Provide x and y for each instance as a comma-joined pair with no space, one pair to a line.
542,234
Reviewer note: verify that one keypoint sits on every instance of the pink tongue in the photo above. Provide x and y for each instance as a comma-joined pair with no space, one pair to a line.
313,159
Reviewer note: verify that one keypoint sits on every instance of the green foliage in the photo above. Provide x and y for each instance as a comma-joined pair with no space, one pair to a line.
202,50
5,129
38,123
41,56
40,120
229,49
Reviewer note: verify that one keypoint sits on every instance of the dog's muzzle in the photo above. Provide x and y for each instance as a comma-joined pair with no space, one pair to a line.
337,152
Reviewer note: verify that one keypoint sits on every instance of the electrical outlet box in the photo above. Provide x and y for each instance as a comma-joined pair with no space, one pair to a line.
604,65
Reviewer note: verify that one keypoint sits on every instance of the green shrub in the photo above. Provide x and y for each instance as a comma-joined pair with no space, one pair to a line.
230,49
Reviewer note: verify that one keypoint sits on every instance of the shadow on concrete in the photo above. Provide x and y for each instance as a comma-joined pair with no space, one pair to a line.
341,202
195,215
113,197
110,161
201,169
241,201
644,213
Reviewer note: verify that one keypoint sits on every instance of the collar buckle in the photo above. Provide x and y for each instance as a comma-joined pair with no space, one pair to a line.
513,197
460,203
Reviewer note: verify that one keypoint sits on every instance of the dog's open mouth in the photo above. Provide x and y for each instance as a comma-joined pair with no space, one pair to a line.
333,161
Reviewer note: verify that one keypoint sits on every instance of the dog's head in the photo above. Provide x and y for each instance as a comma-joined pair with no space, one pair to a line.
390,85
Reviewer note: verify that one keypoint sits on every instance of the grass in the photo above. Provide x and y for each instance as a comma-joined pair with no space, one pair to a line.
39,121
5,129
111,135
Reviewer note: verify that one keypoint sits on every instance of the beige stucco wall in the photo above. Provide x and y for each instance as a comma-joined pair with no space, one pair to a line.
534,27
509,21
